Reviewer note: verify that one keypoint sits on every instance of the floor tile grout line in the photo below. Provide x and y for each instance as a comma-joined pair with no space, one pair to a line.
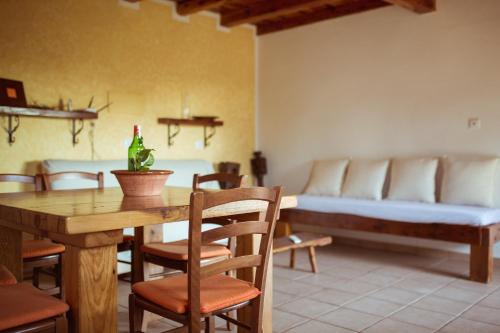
467,309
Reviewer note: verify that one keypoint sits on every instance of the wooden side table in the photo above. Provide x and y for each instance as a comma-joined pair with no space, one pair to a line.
309,241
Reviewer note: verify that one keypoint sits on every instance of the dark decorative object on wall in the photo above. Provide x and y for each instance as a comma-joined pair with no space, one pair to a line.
12,93
228,167
259,167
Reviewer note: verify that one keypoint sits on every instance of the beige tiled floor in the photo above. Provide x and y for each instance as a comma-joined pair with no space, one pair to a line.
382,292
360,290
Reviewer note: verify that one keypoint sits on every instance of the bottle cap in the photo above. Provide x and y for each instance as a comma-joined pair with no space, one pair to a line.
137,130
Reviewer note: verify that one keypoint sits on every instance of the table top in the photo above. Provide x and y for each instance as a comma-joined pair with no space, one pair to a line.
94,210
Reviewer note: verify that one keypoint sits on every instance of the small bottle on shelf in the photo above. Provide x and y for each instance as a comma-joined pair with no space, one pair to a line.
135,147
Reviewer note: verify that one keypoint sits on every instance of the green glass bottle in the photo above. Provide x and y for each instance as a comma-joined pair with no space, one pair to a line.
135,147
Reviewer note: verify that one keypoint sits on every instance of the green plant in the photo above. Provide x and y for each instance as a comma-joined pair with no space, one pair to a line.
143,160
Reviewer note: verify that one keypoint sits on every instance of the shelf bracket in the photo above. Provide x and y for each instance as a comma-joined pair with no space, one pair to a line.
172,133
75,131
10,129
207,137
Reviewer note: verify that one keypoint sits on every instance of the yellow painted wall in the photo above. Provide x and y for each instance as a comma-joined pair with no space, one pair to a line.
144,60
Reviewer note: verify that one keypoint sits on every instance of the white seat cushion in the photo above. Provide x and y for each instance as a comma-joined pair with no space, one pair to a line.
182,176
403,211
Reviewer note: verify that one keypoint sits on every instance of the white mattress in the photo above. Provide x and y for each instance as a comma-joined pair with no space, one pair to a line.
404,211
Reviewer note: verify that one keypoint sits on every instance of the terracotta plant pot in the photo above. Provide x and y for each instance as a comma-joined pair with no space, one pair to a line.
142,183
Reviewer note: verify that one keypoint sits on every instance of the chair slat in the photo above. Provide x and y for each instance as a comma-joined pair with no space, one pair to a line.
230,264
49,178
16,178
234,180
239,194
234,230
23,179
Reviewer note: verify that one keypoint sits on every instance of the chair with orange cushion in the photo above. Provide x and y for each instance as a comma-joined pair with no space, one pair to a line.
48,178
39,253
174,255
205,291
24,308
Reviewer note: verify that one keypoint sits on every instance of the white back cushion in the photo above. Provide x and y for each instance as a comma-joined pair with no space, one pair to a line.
413,179
326,178
365,179
469,181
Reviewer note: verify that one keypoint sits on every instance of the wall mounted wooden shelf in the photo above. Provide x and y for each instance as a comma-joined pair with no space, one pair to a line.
13,114
173,127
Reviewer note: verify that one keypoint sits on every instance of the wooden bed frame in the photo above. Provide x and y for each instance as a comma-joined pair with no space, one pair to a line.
481,239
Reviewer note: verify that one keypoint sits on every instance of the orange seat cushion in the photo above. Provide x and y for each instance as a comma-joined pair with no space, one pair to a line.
217,292
6,276
179,250
22,304
40,248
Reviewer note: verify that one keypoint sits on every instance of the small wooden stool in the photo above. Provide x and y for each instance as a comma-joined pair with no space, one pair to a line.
309,241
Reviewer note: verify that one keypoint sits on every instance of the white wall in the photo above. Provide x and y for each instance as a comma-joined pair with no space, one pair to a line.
382,83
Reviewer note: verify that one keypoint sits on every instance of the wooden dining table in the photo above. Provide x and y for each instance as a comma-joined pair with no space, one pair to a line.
90,223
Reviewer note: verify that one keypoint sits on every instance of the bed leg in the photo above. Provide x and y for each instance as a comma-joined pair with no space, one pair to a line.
481,258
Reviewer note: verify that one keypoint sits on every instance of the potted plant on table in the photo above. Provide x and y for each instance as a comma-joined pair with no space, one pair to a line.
139,180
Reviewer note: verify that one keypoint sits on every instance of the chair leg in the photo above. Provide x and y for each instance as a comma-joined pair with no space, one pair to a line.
292,258
210,324
135,315
256,314
229,325
36,277
59,280
312,259
231,314
132,265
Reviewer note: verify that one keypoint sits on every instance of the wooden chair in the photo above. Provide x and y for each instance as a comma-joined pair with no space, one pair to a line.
128,240
174,255
39,253
205,292
24,308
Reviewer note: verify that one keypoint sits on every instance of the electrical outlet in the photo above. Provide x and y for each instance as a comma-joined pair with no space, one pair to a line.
474,123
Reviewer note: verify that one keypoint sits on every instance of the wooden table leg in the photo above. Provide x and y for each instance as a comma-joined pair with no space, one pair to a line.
247,245
11,256
91,288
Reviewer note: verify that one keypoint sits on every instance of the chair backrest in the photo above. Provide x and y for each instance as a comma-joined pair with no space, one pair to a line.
229,180
49,178
24,179
201,201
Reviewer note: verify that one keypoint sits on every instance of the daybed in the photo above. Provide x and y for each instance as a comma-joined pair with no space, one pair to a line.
467,224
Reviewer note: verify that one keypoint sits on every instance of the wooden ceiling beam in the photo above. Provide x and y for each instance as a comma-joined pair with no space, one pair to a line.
418,6
268,10
188,7
327,13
